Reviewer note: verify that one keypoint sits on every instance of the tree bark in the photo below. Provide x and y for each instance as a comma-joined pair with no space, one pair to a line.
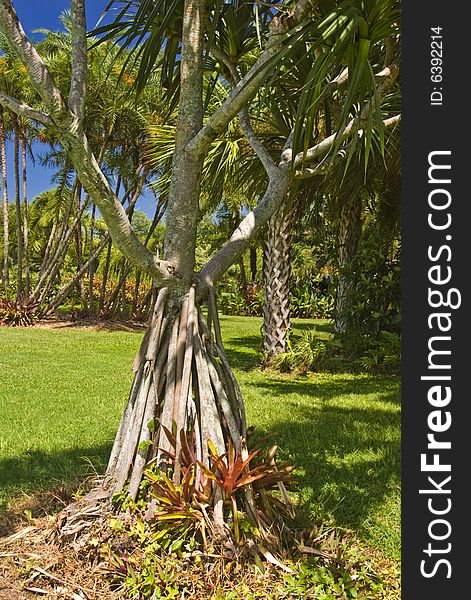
6,243
276,274
348,238
23,141
91,272
19,228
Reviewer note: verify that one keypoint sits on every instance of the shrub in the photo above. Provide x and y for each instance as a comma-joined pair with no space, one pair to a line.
311,298
353,351
21,312
232,301
374,294
309,353
383,353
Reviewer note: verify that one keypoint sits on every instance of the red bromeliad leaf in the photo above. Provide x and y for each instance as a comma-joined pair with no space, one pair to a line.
171,438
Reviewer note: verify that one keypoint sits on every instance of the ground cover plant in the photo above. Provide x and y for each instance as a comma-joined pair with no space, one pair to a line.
341,429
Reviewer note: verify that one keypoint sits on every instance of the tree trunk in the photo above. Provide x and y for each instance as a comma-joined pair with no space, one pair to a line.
348,238
91,272
25,209
276,274
183,380
3,148
19,228
253,263
79,245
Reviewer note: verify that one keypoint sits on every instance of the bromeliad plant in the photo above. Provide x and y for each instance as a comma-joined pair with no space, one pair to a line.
179,510
233,473
21,312
239,483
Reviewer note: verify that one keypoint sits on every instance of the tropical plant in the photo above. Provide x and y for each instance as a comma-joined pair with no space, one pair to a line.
181,370
18,312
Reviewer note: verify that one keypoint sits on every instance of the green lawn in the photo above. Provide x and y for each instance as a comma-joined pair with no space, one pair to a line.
62,391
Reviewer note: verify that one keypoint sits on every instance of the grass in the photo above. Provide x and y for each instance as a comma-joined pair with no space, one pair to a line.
62,392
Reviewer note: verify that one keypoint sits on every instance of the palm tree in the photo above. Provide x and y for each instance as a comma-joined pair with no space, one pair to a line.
6,245
24,150
19,228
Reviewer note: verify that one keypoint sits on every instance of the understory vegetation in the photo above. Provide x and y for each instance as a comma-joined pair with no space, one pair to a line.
341,429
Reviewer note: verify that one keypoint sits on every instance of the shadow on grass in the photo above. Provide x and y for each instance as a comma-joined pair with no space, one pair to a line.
243,352
347,454
385,388
38,471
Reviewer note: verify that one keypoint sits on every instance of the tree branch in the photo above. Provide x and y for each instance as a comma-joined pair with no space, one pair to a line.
248,86
256,144
23,110
78,83
326,165
38,72
323,147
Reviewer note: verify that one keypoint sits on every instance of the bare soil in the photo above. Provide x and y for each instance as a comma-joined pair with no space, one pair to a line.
56,323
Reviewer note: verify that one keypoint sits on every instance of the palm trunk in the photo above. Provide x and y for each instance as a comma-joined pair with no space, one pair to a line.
276,274
135,296
6,266
106,268
91,272
19,229
253,264
25,210
79,245
348,238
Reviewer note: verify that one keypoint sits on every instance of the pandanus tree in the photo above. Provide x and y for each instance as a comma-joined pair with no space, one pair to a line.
183,383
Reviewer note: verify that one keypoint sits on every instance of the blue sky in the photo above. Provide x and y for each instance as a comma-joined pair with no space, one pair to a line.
35,14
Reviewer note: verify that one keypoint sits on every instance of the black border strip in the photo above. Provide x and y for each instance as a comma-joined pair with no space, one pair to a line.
432,123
